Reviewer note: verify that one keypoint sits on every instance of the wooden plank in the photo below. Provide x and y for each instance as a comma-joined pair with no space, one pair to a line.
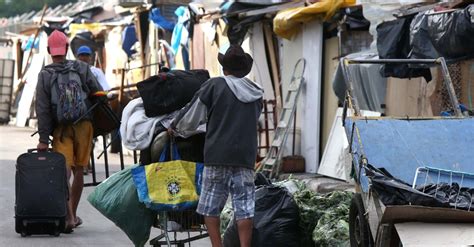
274,67
260,72
198,61
407,97
329,100
139,37
467,87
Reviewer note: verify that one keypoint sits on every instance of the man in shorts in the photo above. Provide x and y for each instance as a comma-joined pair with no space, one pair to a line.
230,107
74,141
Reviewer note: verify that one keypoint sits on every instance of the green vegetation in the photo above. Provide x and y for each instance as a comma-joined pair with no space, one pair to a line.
9,8
324,217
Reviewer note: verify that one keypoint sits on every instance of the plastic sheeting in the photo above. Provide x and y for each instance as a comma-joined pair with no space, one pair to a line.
393,42
287,22
449,35
393,191
86,27
369,85
276,220
400,146
159,20
117,199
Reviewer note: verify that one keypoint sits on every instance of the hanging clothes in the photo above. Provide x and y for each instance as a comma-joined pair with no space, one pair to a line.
180,33
129,39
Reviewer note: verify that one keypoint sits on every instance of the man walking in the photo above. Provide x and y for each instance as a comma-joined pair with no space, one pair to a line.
230,107
84,53
62,97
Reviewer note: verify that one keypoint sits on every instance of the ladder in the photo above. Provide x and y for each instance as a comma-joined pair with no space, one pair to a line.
270,165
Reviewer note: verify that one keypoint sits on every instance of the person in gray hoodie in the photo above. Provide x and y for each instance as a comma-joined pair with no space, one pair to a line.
228,107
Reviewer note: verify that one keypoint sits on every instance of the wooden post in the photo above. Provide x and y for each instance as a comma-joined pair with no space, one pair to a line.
275,75
120,96
30,56
139,34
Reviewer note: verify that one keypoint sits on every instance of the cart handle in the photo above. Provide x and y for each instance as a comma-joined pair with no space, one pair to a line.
345,62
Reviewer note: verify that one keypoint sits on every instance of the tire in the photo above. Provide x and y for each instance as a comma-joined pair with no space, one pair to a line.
359,232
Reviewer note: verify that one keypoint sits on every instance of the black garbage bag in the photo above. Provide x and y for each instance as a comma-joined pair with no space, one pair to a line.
452,34
457,197
170,91
393,42
393,191
449,35
420,41
276,220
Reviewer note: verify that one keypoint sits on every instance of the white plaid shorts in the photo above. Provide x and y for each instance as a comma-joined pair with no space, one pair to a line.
220,181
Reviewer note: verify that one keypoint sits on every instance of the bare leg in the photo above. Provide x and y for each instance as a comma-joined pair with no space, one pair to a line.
76,189
245,227
70,220
213,228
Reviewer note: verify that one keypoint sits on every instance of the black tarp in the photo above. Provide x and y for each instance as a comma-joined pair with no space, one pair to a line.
393,191
449,35
426,35
393,42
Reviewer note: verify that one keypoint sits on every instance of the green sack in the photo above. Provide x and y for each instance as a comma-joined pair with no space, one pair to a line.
117,199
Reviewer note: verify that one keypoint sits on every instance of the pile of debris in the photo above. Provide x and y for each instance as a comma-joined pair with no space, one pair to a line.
308,218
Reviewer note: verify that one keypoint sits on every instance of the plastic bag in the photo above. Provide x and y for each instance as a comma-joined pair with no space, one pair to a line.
168,92
393,191
116,198
276,220
169,186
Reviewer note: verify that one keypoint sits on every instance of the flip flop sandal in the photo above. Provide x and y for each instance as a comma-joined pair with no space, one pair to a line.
68,229
78,222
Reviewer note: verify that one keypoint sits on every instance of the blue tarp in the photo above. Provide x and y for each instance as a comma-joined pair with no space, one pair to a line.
160,21
401,146
129,39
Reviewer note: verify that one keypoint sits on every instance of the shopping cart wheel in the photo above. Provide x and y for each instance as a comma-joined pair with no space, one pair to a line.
359,232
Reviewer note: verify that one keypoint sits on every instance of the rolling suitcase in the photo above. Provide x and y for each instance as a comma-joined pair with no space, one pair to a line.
41,193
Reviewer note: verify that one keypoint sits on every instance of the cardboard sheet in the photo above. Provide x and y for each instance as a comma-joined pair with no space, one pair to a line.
435,234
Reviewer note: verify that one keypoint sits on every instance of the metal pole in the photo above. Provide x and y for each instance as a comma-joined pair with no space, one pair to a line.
344,62
94,178
385,61
121,153
135,158
106,160
449,86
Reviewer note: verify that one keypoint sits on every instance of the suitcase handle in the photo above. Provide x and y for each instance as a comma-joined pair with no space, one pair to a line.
31,150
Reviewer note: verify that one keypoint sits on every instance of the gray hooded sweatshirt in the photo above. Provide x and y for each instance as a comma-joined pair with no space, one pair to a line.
45,108
229,108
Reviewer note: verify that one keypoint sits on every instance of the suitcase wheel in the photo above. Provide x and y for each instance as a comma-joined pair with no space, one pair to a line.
24,234
56,233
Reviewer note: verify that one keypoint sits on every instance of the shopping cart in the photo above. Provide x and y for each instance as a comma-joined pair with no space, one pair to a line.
431,176
183,226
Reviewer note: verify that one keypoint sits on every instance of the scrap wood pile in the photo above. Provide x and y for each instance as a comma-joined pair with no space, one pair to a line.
322,219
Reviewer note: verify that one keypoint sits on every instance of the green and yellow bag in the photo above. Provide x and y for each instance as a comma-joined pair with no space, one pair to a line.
169,186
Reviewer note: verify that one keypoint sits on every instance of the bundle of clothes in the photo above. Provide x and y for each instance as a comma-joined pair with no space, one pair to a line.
146,119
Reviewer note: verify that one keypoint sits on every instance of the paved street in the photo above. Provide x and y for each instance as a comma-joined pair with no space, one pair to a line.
96,230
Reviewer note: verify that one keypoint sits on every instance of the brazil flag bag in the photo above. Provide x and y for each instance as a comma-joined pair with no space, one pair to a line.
169,186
